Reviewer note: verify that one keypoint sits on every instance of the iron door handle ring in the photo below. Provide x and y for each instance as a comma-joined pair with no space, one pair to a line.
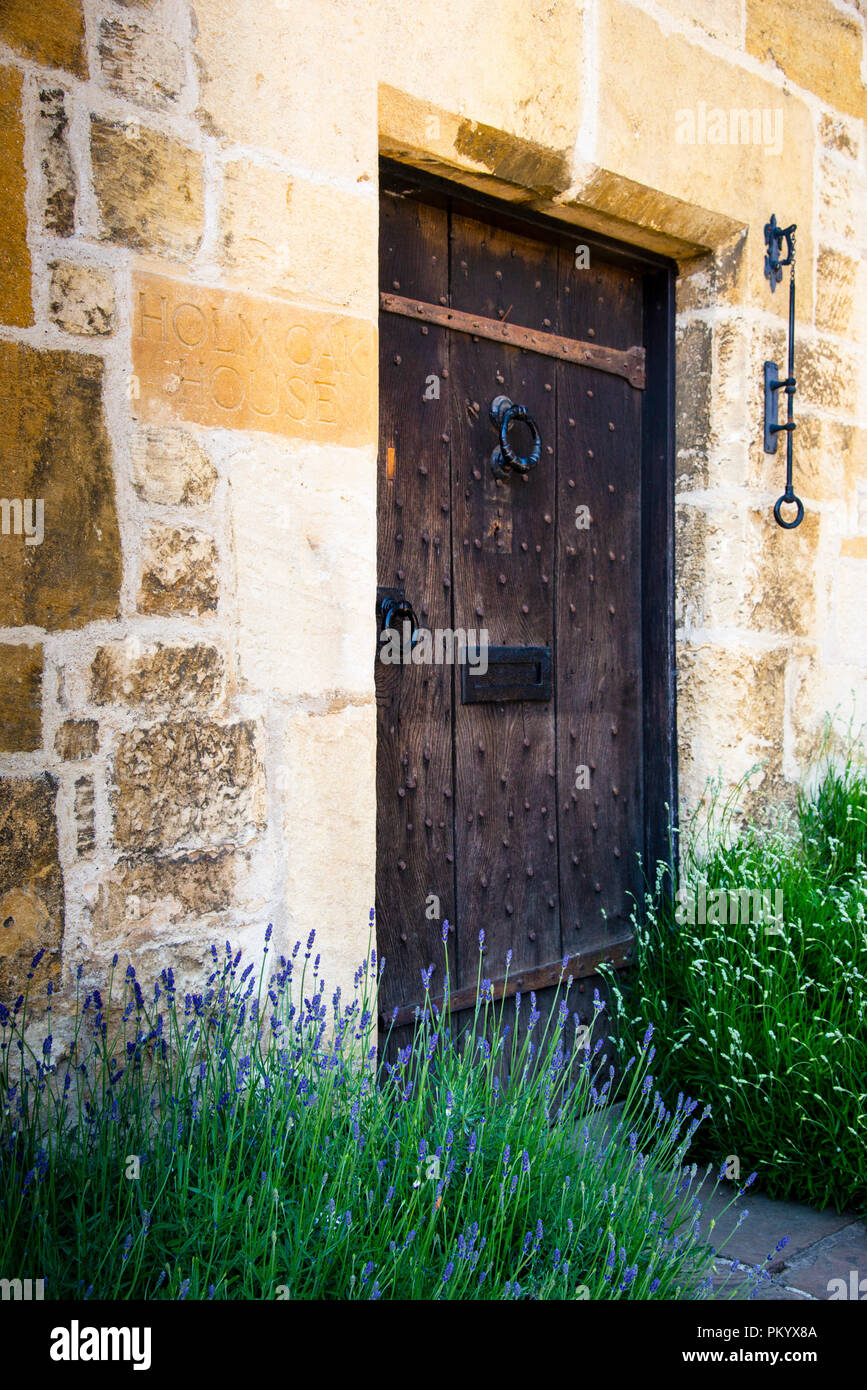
504,459
397,610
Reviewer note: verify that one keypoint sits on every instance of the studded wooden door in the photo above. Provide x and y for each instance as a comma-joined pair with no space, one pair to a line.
522,815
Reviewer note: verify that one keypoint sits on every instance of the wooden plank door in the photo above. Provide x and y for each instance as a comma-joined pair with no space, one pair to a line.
524,817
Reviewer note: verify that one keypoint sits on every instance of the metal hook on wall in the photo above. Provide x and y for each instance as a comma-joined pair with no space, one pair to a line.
774,262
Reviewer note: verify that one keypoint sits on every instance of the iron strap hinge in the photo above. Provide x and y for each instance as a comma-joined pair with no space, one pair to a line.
625,362
617,954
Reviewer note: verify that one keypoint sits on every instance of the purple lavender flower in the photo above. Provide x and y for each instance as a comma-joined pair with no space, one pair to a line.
445,930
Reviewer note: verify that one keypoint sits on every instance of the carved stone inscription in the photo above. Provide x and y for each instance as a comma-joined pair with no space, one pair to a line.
239,361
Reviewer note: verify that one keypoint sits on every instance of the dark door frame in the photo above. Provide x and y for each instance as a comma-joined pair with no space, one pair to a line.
659,666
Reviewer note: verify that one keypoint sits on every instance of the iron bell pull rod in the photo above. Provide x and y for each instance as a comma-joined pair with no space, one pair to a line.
774,238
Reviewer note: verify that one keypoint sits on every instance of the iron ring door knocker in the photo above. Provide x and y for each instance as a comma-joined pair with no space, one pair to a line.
396,611
504,460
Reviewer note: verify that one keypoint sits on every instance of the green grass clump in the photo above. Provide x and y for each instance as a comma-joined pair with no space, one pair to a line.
769,1026
277,1158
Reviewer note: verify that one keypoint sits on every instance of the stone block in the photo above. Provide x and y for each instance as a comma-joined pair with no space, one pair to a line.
188,784
516,78
304,540
59,184
84,816
850,629
55,450
824,685
817,46
158,677
77,739
140,898
722,21
721,138
329,824
694,380
839,133
81,299
51,35
31,884
731,706
15,301
280,81
835,291
838,204
854,548
418,130
20,694
149,188
171,468
781,575
829,458
146,66
710,551
179,572
295,237
825,376
241,361
714,277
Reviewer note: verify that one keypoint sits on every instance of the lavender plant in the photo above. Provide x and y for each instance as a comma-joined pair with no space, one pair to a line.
245,1142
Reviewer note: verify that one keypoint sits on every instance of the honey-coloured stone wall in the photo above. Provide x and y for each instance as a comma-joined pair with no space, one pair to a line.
188,416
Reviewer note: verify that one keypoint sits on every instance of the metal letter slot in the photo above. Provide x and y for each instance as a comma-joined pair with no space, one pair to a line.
514,673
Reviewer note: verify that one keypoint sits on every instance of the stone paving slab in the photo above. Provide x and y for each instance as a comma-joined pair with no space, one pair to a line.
822,1246
739,1285
841,1256
768,1222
